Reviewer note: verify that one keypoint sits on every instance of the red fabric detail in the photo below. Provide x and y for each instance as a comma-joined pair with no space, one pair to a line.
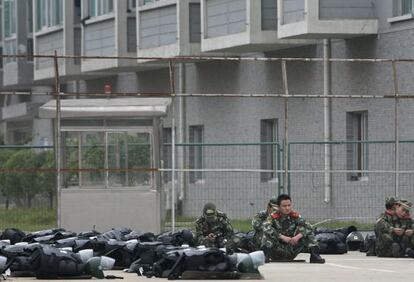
275,215
294,215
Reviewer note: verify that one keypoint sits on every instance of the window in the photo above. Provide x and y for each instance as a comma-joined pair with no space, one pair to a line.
9,18
167,153
196,136
49,13
77,12
268,152
100,7
10,48
132,4
115,158
403,7
357,148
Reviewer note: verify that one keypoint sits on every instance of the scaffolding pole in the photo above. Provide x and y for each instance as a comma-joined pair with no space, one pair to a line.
286,129
209,58
172,90
396,130
327,116
58,143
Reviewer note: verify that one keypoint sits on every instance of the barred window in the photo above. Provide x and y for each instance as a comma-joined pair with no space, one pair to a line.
268,152
357,148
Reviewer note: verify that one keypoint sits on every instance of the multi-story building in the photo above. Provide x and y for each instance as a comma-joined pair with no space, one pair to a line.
264,28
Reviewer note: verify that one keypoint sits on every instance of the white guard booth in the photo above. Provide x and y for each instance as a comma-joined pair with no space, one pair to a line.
107,145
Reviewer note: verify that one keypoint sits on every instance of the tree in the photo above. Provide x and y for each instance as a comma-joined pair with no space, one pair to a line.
22,184
46,180
5,154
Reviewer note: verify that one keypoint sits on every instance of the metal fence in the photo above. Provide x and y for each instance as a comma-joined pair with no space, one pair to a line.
27,187
237,178
233,176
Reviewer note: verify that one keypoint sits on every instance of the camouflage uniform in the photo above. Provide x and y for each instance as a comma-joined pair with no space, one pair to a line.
218,224
257,223
385,236
259,219
288,225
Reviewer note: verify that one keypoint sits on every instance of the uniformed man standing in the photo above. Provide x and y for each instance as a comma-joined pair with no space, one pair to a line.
286,234
213,228
259,219
394,231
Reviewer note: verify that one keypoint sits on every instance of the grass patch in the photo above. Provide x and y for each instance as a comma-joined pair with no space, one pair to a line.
246,224
338,224
28,219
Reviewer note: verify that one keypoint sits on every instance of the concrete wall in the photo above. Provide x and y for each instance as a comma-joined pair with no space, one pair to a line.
158,27
293,11
100,38
109,208
225,17
47,45
350,9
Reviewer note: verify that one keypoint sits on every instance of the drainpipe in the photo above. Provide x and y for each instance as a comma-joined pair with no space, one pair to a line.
327,114
181,132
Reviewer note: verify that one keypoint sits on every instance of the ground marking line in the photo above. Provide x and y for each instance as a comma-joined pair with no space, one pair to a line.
359,268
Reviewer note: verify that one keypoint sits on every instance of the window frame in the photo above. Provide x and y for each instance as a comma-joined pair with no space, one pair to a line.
196,154
106,177
132,6
100,8
357,148
49,14
266,177
398,13
10,24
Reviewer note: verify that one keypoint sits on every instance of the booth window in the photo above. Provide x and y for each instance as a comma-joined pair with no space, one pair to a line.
107,159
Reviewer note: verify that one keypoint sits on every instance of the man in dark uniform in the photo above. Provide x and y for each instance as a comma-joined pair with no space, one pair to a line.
213,228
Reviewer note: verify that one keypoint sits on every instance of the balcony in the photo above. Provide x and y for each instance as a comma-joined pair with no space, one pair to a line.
109,30
169,28
242,26
21,111
17,40
302,19
64,37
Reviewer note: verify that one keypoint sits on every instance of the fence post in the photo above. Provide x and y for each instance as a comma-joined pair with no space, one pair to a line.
172,90
58,141
286,126
396,129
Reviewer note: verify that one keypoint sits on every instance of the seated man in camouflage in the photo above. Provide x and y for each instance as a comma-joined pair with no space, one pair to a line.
286,234
259,219
213,228
394,231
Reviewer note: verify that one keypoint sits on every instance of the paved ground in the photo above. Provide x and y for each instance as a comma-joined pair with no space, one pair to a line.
352,267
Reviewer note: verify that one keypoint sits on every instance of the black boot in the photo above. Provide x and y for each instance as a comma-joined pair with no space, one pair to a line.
409,252
267,252
371,248
315,257
396,250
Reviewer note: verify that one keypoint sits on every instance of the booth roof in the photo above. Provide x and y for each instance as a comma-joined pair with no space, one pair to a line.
117,107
